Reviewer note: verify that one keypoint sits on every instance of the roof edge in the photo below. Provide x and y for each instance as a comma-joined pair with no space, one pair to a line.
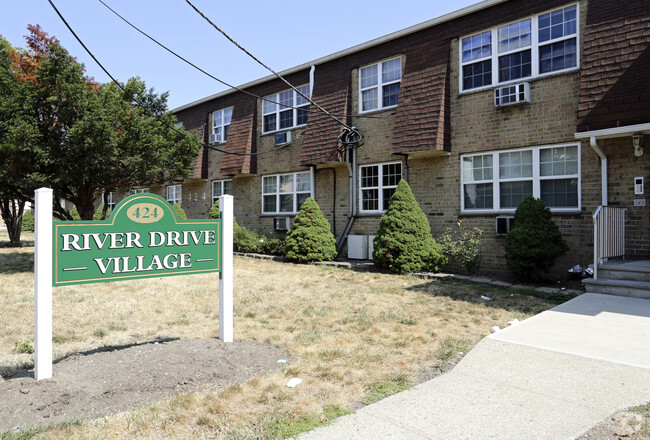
359,47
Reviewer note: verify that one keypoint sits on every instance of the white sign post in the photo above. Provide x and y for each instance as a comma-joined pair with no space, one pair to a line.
226,278
43,284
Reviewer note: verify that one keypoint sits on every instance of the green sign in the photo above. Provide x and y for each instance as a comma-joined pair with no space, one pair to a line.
142,238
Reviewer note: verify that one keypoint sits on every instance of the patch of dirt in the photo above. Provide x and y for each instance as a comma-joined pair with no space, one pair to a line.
620,426
102,383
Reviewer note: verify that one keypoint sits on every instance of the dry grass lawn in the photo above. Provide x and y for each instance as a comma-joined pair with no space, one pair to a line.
353,337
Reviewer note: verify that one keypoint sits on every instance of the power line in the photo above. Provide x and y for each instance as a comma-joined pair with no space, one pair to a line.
346,126
146,110
209,74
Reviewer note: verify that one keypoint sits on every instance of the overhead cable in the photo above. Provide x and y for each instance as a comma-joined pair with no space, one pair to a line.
145,109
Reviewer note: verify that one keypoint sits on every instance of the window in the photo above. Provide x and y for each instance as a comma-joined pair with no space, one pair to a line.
219,188
285,110
174,194
539,45
137,191
498,181
220,124
377,184
110,200
379,85
285,193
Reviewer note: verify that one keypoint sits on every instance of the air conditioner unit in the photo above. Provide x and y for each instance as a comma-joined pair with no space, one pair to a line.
510,95
504,225
282,223
283,138
215,138
358,247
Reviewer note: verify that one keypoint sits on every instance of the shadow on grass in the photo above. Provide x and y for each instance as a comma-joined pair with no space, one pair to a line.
523,300
16,262
27,368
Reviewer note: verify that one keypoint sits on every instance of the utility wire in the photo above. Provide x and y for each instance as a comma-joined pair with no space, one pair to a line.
346,126
209,74
146,110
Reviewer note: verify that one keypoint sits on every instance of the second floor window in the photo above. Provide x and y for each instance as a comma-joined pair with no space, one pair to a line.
285,110
379,85
528,48
220,124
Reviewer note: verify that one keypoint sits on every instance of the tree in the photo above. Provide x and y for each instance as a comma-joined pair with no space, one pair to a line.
535,242
310,237
403,242
89,138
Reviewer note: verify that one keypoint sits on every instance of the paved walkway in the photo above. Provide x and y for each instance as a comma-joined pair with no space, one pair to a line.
551,377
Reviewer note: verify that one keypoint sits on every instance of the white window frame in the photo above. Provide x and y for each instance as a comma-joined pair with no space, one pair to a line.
221,128
174,194
110,200
137,191
271,105
380,187
536,178
221,185
379,86
294,192
535,47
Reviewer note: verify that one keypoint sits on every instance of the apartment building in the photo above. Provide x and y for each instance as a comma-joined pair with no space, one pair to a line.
475,109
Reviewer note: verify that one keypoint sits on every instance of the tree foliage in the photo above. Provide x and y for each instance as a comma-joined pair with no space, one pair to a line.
180,212
403,243
63,130
535,242
310,237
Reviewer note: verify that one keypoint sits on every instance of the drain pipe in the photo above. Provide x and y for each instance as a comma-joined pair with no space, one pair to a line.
350,156
603,162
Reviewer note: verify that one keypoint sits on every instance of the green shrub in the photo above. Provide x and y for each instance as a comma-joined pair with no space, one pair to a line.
245,240
214,211
462,247
310,237
535,241
180,212
98,213
28,221
273,246
75,214
403,242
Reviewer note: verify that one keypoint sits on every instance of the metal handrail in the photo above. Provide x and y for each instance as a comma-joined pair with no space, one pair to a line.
609,234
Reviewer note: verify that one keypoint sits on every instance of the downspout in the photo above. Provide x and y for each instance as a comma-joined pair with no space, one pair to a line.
406,167
350,156
311,79
603,162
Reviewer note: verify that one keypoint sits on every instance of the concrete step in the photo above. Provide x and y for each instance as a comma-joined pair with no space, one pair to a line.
626,270
634,289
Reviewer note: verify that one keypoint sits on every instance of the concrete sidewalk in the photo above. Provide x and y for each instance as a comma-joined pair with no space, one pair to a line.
553,376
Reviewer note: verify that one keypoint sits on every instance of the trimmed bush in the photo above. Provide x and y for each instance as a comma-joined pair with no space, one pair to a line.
180,212
28,221
403,243
75,214
98,213
310,237
245,240
535,242
273,246
214,211
462,247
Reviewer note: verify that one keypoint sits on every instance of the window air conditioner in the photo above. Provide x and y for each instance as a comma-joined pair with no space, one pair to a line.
283,138
504,225
514,94
214,138
282,223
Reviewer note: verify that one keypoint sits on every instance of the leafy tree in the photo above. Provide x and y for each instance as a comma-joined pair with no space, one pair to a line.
463,247
214,211
310,237
535,242
403,242
82,137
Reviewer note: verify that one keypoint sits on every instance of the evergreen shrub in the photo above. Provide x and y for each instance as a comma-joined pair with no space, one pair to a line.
98,213
310,237
403,243
28,221
180,212
535,241
214,213
245,240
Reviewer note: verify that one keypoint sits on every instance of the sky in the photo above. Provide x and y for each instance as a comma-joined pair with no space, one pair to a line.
281,33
